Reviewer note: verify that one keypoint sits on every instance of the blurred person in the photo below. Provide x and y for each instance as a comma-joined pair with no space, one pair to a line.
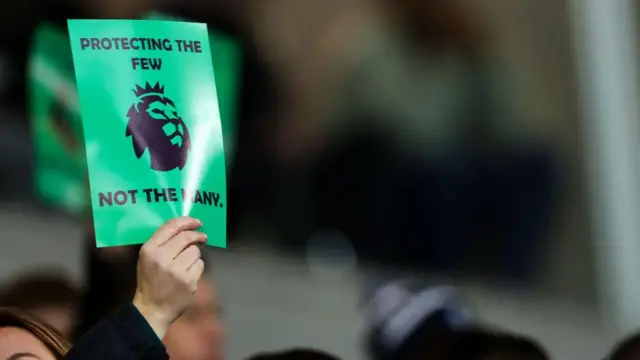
47,295
23,336
168,271
627,349
295,354
423,119
198,334
406,319
520,347
490,345
111,282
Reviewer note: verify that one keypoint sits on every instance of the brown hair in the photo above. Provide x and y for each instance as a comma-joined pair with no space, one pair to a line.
12,317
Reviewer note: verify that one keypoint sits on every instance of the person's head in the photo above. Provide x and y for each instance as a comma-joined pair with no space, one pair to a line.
23,336
199,333
518,347
406,318
627,349
47,295
490,345
295,354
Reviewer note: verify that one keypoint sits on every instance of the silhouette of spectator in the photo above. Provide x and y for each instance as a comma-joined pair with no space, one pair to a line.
295,354
404,319
627,349
489,345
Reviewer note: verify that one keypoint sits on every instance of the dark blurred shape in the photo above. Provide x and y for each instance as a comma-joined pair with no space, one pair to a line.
487,345
295,354
406,318
439,25
427,160
16,318
627,349
46,294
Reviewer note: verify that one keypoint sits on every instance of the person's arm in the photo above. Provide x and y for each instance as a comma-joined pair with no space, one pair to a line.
168,270
124,336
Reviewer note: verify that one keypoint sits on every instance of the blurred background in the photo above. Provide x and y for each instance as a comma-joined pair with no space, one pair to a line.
489,144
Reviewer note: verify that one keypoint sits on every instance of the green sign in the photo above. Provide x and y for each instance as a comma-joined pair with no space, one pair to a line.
60,171
152,127
59,165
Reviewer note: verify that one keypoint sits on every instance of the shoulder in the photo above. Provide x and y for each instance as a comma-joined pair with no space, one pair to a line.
124,336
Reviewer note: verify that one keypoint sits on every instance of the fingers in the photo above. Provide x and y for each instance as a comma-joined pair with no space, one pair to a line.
190,265
194,273
171,229
176,245
187,258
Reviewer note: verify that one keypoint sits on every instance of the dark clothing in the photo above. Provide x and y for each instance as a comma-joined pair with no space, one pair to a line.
124,336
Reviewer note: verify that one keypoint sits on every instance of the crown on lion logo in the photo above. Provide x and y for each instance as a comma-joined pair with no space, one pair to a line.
148,89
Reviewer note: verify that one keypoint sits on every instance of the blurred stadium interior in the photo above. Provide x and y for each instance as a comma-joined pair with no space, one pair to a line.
542,44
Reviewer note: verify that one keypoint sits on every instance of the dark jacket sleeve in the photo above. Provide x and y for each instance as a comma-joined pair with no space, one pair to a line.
124,336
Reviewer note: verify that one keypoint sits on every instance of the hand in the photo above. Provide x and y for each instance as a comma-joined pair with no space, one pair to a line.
169,268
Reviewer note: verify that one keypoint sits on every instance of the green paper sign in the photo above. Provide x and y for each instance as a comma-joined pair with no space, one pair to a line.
60,169
152,127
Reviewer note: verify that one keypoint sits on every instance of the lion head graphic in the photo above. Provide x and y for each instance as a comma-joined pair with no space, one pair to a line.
154,124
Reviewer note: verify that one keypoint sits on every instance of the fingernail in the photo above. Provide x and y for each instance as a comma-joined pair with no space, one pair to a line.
199,222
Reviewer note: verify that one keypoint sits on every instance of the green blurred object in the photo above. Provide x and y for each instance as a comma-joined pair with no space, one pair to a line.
60,170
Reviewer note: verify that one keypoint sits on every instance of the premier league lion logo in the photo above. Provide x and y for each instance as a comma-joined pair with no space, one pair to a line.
154,124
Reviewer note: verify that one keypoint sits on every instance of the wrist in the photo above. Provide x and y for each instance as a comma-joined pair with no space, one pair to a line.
158,321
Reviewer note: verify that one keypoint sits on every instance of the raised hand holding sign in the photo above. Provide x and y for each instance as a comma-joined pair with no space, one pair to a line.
169,268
